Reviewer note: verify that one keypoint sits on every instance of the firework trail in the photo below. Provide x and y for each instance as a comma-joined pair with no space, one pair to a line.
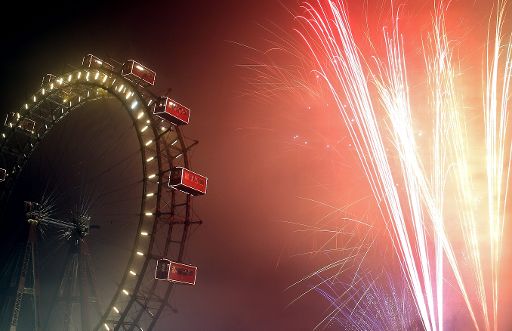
376,303
416,216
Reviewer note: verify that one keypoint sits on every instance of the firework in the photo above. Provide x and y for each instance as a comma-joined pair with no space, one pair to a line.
416,214
370,303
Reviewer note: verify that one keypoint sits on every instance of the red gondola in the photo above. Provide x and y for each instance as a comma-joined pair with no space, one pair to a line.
137,72
187,181
172,111
182,273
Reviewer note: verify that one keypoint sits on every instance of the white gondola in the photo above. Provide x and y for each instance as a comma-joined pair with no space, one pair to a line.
162,269
91,61
3,174
24,123
47,79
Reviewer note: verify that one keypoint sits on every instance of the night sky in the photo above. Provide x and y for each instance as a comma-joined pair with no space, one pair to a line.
266,159
241,249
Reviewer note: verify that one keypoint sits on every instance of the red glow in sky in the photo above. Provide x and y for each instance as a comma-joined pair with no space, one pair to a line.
279,160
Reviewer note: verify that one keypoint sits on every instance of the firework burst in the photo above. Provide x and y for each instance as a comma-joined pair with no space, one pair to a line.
364,87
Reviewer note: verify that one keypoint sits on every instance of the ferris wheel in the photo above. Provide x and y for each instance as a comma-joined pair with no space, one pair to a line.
156,234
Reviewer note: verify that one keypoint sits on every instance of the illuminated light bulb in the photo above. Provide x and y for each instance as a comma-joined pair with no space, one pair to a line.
26,106
144,129
87,76
97,75
79,75
144,233
133,273
149,142
51,86
148,213
148,121
125,292
43,91
140,253
134,104
140,115
152,176
70,77
149,195
149,159
115,309
34,98
3,135
150,102
179,155
139,67
162,128
106,326
104,79
60,80
98,61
